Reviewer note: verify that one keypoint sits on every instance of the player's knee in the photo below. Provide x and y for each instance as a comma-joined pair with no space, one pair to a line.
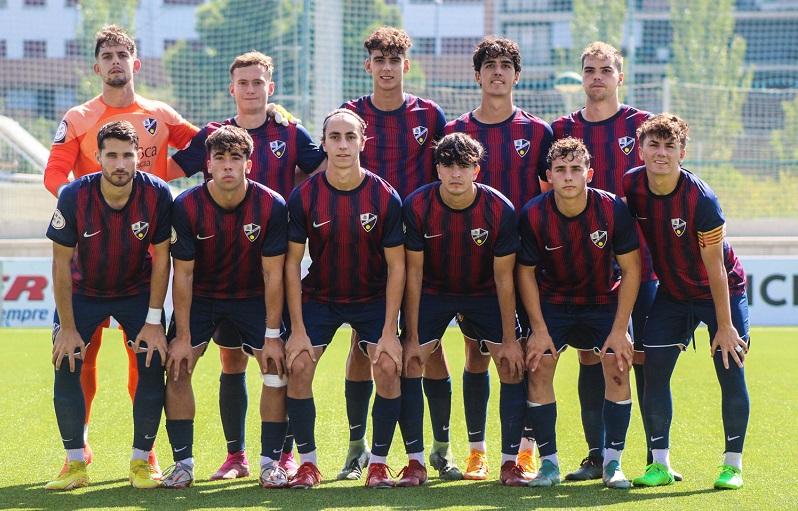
385,369
302,369
233,361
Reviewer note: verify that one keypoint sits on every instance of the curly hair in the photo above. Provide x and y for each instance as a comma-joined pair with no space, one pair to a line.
391,40
458,149
229,138
664,126
492,47
113,35
568,147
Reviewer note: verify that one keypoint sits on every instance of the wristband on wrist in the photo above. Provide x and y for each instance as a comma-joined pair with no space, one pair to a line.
272,333
153,316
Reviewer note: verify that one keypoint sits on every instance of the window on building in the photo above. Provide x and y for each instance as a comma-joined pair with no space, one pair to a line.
72,48
35,3
34,49
168,43
3,49
182,2
70,3
458,45
423,46
534,40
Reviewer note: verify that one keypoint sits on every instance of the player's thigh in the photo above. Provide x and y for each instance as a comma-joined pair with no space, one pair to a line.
321,322
738,305
480,319
248,318
367,319
131,314
90,313
201,325
434,315
670,323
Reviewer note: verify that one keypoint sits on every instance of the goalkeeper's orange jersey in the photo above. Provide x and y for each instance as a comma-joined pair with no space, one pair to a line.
75,142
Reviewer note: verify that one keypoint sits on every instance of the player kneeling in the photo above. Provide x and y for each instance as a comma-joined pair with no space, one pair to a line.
460,245
228,243
108,271
571,238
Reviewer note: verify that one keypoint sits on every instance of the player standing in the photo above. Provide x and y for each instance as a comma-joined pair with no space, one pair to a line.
701,280
608,129
401,130
571,238
516,143
460,244
351,220
228,243
279,151
75,145
102,232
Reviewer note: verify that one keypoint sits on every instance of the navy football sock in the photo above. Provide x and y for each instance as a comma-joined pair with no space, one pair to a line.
358,395
657,401
616,419
181,436
439,400
384,415
70,407
528,432
591,399
640,382
233,409
148,403
272,437
544,420
512,405
302,415
735,405
476,392
411,416
288,444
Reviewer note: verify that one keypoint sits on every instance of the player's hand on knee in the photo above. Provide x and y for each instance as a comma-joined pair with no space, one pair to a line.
297,344
66,342
511,357
411,354
729,342
621,345
274,351
155,339
389,346
281,115
536,347
179,351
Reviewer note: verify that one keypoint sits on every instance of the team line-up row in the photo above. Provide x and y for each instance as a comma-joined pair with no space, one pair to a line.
494,224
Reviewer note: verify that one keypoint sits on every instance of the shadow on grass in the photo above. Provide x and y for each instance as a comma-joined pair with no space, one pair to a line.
246,494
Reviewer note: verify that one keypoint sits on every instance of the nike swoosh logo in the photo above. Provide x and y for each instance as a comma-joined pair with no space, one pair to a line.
66,439
411,442
181,449
149,437
550,249
428,236
354,427
642,218
544,444
655,438
276,451
376,445
232,441
87,235
302,445
616,443
205,237
513,446
475,432
446,428
730,438
319,225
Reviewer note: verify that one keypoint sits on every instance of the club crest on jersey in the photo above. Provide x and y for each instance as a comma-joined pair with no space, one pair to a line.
479,236
679,226
626,144
140,229
368,221
599,238
521,146
420,134
252,231
60,133
58,221
277,147
151,125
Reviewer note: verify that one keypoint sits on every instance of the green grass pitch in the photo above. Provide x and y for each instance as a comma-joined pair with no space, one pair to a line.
31,450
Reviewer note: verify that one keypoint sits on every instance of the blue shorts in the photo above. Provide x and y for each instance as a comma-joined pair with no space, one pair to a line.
323,319
645,299
479,318
243,322
583,327
227,335
673,323
91,312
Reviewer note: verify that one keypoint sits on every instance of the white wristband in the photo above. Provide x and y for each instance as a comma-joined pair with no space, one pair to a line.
153,316
272,333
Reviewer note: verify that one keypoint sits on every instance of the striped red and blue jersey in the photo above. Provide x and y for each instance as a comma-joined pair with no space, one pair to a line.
400,143
575,256
672,225
111,257
459,245
515,153
347,234
613,149
278,150
226,245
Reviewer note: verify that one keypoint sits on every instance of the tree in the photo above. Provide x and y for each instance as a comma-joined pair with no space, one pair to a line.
709,74
596,20
783,140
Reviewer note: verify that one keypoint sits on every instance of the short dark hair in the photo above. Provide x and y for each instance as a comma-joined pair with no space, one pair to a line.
229,138
118,130
343,111
391,40
252,58
458,149
492,47
113,35
568,146
664,126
